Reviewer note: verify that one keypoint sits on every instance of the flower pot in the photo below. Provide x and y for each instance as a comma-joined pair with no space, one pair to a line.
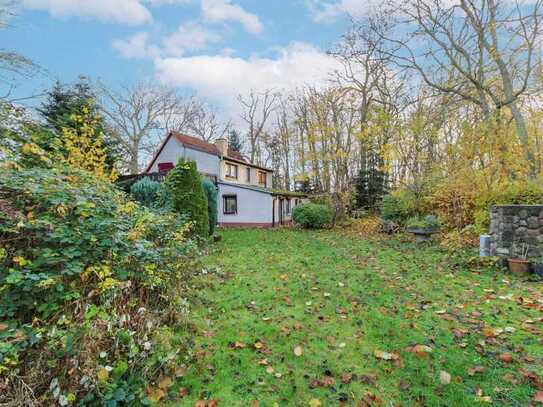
422,235
519,266
537,268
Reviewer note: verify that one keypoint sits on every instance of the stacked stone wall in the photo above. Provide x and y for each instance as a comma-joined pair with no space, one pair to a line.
516,226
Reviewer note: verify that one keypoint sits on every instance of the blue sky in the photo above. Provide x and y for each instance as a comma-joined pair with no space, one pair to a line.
212,48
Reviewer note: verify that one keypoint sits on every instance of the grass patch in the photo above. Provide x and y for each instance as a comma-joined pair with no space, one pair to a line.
339,299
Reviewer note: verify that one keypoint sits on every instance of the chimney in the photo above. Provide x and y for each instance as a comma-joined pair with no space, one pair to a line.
222,146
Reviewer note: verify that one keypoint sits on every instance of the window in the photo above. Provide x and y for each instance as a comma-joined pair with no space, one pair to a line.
230,204
248,179
231,171
262,178
288,205
165,167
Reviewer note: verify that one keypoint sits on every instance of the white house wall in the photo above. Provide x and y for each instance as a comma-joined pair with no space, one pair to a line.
242,174
254,207
174,150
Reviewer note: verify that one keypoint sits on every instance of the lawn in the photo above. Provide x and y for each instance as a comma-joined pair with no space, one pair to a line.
297,318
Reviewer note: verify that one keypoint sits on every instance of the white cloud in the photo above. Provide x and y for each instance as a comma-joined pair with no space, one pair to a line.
136,46
326,11
189,37
224,10
122,11
221,78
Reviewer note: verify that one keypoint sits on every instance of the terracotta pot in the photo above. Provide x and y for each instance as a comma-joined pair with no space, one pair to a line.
519,266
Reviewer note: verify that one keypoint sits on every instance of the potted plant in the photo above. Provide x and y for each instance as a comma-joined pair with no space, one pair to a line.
518,262
423,227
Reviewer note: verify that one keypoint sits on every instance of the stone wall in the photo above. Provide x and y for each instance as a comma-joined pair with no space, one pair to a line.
516,225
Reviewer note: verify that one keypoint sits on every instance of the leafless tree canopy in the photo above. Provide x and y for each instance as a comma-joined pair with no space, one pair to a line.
140,115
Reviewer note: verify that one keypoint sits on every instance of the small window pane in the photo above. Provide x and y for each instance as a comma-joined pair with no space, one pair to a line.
248,175
230,205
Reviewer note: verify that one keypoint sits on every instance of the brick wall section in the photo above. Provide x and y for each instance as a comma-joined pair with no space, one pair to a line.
516,224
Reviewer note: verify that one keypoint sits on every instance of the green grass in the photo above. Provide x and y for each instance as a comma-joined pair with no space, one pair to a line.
341,298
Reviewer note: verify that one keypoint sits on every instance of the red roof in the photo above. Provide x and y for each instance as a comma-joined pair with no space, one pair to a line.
201,145
206,147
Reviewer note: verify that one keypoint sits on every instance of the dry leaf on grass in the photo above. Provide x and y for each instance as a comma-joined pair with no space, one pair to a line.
444,377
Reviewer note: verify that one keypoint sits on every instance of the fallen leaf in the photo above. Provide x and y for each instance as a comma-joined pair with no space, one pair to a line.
421,351
472,371
444,377
200,403
3,327
346,377
259,345
183,392
538,397
237,345
404,385
212,403
506,358
165,383
298,351
385,355
483,399
155,394
315,403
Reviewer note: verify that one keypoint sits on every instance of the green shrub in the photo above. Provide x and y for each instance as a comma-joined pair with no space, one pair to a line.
395,208
146,191
211,192
88,280
423,222
183,189
312,216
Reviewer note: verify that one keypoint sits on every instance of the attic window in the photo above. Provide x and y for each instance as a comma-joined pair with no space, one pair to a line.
165,167
262,178
231,171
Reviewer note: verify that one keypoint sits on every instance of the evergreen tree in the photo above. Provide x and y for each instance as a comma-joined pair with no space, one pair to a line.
211,192
371,183
184,191
63,109
234,141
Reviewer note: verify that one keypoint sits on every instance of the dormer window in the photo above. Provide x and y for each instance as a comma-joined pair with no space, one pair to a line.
231,171
165,167
262,178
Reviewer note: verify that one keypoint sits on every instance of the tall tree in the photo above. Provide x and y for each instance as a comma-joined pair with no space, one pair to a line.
256,111
66,104
482,51
140,115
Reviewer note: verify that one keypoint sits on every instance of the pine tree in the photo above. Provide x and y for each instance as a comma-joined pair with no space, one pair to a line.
234,141
64,104
371,183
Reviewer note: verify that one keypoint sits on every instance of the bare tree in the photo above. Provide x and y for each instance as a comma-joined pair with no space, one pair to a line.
204,124
13,66
482,51
139,115
257,109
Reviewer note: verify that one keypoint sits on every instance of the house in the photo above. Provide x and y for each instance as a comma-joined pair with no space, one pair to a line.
245,198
